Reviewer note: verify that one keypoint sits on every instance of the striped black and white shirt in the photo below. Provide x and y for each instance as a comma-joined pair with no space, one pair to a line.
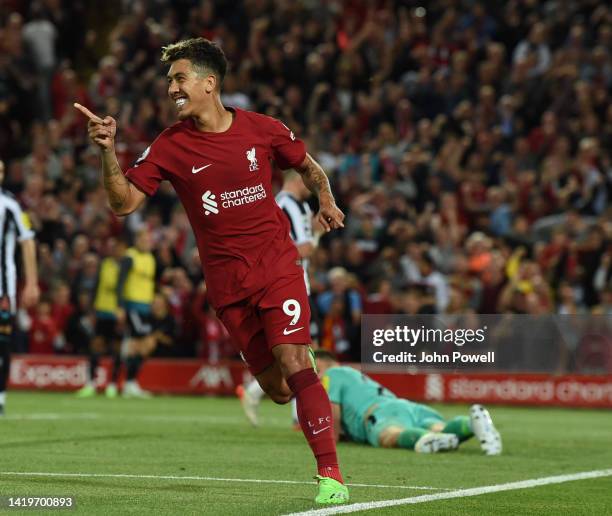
300,220
14,228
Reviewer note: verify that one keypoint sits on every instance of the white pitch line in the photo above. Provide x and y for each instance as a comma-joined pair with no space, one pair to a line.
51,416
459,493
56,416
215,479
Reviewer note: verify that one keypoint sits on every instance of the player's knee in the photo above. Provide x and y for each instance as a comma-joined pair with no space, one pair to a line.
276,389
280,399
279,396
278,392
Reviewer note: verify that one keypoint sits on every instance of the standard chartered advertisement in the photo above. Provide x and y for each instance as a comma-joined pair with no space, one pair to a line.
487,343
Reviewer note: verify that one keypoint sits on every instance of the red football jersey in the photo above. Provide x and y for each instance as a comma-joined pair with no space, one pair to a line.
224,181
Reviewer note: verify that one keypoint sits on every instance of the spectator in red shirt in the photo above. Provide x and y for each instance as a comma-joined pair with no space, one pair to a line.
61,307
43,330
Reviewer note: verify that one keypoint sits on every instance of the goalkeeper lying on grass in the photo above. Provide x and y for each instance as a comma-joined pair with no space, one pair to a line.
364,411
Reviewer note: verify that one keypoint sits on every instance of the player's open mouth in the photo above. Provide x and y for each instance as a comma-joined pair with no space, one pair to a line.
180,102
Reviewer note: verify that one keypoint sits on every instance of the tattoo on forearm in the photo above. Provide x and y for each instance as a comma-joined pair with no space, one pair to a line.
116,184
314,177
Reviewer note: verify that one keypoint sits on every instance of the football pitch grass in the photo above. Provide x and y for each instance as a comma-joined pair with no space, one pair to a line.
190,455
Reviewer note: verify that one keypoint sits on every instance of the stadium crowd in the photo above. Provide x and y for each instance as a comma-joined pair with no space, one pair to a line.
468,143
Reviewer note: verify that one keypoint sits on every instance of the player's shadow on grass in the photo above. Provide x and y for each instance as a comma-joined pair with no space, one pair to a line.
75,440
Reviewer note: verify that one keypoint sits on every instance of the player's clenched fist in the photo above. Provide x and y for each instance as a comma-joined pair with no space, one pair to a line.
330,216
101,130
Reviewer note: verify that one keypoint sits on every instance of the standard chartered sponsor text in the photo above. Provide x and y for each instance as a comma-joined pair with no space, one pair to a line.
242,196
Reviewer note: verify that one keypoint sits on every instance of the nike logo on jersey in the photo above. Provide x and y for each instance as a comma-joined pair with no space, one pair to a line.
289,332
196,170
315,432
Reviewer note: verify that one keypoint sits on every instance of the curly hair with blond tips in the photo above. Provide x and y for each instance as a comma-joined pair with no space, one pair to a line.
205,56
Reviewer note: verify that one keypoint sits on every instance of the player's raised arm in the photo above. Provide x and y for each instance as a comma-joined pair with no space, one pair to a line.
123,196
330,216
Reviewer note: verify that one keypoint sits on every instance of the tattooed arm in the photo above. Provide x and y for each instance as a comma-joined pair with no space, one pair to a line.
316,181
123,196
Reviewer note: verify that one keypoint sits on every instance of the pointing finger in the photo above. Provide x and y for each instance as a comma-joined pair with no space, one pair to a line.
88,114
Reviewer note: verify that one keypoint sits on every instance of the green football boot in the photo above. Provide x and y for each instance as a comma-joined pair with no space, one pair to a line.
111,391
88,391
331,491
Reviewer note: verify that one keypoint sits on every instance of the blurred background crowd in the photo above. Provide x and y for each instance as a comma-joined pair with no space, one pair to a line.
468,142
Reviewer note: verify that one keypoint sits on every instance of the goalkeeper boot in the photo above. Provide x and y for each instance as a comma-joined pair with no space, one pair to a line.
331,491
88,391
485,431
434,442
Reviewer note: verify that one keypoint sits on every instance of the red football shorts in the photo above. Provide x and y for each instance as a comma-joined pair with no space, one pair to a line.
277,314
